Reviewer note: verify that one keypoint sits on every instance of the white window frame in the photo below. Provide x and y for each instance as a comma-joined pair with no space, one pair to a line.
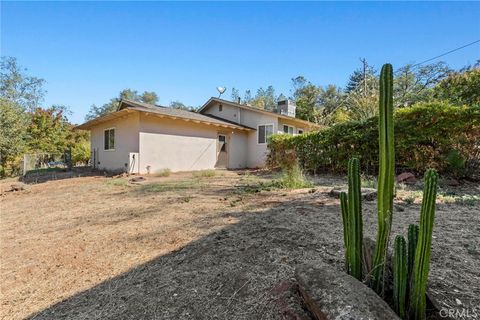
258,132
300,129
288,126
114,139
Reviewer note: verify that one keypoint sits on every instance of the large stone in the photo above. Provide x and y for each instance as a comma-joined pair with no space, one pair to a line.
329,293
407,177
367,193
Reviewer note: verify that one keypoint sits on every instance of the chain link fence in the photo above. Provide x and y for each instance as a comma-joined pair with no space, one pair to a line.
36,163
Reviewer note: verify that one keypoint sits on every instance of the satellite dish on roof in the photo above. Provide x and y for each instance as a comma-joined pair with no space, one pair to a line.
221,90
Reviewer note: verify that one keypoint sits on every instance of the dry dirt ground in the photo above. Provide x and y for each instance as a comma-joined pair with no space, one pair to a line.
197,246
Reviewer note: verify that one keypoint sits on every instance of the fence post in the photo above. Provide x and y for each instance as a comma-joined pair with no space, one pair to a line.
24,165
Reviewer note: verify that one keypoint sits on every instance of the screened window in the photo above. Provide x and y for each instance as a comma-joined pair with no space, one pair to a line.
300,131
109,139
264,131
288,129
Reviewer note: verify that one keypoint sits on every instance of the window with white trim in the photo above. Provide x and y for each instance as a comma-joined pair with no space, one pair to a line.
109,139
264,131
288,129
299,131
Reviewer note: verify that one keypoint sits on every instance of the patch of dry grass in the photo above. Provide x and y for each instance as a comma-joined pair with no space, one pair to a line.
216,248
205,173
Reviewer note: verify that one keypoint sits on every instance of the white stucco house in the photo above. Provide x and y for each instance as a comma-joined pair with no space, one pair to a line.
144,138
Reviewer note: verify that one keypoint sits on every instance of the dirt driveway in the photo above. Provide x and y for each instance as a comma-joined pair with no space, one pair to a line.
197,247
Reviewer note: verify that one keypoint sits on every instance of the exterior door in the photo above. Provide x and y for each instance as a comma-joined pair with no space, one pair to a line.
222,151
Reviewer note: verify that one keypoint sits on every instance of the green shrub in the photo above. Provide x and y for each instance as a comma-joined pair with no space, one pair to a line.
424,136
293,178
455,163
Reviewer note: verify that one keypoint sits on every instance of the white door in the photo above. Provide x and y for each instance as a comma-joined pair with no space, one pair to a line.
222,151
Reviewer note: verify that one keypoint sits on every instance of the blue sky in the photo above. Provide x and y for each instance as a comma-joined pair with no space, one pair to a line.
88,51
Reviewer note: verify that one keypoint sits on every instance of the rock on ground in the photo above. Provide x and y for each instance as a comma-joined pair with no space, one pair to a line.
406,177
367,193
332,294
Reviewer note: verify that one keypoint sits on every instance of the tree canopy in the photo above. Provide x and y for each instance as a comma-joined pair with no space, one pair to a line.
18,87
111,106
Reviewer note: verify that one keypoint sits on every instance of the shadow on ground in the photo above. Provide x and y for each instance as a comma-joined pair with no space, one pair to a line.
243,271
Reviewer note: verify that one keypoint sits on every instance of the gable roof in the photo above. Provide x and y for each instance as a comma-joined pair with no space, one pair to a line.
247,107
127,106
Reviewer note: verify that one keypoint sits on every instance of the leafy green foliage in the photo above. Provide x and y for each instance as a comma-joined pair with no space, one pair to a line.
265,99
412,85
13,121
180,105
19,88
292,178
48,130
146,97
425,133
26,127
79,144
455,163
461,88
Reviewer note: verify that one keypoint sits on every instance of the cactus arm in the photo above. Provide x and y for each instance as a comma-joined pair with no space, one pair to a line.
412,245
400,276
355,236
422,252
346,229
385,176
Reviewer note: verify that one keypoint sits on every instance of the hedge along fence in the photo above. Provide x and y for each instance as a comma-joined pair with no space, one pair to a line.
428,135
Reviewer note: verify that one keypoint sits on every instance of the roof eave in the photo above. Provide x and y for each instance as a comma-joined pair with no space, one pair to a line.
109,116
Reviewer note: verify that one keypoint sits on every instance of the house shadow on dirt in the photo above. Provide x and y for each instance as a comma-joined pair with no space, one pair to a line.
243,271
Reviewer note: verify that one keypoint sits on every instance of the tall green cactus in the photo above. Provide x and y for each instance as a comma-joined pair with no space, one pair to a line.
346,229
400,277
385,177
412,245
355,224
422,253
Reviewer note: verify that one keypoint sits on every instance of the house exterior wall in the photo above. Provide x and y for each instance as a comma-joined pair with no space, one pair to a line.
184,146
228,112
238,150
160,143
256,153
126,141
